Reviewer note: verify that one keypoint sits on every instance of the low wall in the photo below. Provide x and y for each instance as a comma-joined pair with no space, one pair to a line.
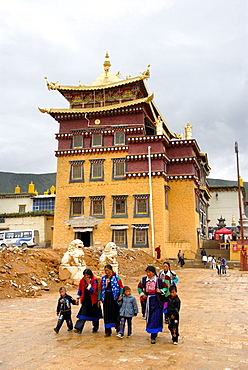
170,250
235,247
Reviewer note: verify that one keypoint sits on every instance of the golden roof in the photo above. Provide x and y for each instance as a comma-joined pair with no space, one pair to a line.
106,79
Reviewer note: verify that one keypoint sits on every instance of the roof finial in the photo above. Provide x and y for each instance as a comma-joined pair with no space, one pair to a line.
188,131
106,64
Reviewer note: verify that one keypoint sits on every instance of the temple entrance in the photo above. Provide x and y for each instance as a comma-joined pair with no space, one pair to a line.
85,236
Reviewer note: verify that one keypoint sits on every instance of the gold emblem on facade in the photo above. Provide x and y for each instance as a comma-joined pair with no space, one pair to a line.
97,122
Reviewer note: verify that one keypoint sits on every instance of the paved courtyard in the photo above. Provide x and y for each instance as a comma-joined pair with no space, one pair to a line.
213,331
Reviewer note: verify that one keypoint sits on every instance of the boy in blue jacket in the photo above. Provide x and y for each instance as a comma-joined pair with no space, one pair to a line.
128,309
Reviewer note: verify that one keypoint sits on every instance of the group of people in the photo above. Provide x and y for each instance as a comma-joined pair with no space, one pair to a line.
158,295
219,264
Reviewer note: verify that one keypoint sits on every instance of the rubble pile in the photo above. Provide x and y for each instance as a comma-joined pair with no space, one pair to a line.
26,272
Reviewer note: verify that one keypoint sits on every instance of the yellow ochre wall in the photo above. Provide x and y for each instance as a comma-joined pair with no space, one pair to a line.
175,228
63,234
184,220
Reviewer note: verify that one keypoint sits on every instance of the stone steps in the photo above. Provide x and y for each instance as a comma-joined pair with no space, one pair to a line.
197,263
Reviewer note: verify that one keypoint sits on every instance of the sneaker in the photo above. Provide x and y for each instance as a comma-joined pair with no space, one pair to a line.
56,330
94,330
106,335
175,342
153,341
120,335
129,336
69,329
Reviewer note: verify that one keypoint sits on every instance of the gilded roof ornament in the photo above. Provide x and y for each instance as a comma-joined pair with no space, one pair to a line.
146,74
44,110
179,136
188,131
106,76
52,85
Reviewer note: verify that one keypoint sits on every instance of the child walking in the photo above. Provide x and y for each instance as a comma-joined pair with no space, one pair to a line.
173,308
64,310
128,309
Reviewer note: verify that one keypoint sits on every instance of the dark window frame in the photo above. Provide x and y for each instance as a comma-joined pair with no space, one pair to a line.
73,165
97,199
122,245
117,141
137,199
117,198
135,236
73,142
117,161
74,200
93,163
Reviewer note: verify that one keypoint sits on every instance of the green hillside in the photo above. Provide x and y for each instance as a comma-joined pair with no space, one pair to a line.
44,181
9,180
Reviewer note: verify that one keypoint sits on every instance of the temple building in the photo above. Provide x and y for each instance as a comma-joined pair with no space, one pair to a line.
122,174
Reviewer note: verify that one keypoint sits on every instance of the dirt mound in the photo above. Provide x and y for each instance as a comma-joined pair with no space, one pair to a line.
32,272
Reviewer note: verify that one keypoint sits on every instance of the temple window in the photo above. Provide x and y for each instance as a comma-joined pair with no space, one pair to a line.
97,170
119,138
119,237
77,171
77,141
97,140
76,206
119,206
22,208
119,166
166,197
141,206
97,206
140,236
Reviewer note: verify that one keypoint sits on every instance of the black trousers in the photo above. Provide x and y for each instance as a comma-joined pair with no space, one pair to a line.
64,317
173,327
80,325
154,335
218,269
143,307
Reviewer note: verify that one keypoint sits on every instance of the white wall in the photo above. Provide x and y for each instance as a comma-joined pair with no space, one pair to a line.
225,204
41,223
11,205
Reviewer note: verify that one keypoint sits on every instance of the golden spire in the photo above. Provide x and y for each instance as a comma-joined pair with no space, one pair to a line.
188,131
106,64
106,76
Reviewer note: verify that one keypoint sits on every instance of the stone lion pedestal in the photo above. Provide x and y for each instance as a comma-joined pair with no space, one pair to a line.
72,263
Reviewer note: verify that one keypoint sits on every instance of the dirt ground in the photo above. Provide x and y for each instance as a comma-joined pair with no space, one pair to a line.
213,331
33,272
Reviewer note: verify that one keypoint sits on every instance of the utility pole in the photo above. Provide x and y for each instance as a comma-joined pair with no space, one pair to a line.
151,202
239,195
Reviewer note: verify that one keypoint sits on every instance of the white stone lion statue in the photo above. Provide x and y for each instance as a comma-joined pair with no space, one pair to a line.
109,252
74,256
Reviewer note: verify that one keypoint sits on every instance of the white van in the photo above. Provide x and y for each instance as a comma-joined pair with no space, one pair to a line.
20,238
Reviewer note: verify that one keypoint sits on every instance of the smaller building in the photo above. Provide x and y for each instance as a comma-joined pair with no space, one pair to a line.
21,211
224,202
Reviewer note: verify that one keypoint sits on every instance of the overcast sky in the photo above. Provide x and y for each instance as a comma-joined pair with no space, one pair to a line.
197,49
